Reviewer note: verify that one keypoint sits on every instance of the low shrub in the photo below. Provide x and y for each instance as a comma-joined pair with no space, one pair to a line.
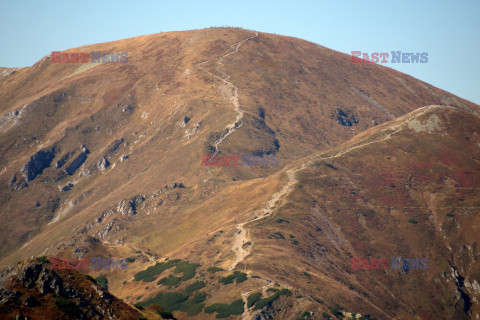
68,307
262,303
214,269
102,281
225,310
195,286
253,298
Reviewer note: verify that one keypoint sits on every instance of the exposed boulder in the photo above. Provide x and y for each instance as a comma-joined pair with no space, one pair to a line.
103,164
182,123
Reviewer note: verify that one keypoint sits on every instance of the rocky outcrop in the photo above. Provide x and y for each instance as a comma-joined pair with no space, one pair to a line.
37,163
76,163
192,131
128,207
32,290
67,187
112,227
345,118
182,123
103,164
60,163
115,145
17,183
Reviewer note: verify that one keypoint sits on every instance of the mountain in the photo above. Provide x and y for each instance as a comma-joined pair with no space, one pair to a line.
107,159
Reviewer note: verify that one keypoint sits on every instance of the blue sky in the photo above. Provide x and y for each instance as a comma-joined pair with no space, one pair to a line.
448,30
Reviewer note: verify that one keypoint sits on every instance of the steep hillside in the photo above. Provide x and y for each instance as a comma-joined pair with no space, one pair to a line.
405,190
105,159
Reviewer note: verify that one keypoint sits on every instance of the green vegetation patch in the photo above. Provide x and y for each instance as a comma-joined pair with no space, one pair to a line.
199,297
336,312
170,281
225,310
276,235
237,276
253,298
102,281
68,307
195,286
138,306
43,259
262,303
149,274
173,301
169,301
323,163
214,269
188,269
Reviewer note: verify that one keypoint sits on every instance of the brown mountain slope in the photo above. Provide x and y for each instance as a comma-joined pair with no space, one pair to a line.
288,91
106,159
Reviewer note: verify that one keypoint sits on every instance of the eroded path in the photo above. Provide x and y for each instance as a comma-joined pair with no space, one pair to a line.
233,89
242,236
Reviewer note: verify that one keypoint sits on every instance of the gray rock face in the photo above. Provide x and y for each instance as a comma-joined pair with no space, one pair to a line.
103,164
9,296
345,118
129,207
76,163
60,163
37,163
183,122
30,302
115,145
67,187
18,183
103,294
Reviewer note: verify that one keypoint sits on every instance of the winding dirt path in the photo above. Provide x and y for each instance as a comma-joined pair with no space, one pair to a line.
234,89
242,237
